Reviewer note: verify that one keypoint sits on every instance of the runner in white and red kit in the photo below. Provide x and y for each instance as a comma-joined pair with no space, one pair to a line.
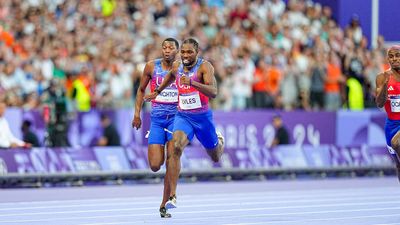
388,96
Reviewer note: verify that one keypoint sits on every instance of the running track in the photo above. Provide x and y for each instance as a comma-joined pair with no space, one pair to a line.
351,201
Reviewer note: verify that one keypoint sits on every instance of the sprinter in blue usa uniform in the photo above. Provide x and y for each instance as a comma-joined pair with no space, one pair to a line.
196,83
164,108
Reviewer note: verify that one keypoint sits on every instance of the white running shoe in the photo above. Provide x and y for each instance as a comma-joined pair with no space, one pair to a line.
220,137
171,203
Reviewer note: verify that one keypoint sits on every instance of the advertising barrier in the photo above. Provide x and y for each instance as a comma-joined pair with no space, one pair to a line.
119,159
317,140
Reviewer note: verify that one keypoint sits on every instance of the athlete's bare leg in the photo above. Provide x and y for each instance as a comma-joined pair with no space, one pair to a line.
156,158
217,152
174,164
167,186
396,147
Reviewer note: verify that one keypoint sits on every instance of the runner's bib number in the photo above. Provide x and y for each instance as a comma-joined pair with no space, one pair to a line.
192,101
395,103
168,96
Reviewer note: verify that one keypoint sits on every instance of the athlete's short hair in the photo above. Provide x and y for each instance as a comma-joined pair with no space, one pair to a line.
193,42
172,40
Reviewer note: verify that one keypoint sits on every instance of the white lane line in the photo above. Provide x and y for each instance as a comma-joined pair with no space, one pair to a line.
242,200
204,211
319,219
387,224
189,204
190,221
201,197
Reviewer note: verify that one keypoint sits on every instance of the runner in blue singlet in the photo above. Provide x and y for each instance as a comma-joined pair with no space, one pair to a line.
196,83
164,108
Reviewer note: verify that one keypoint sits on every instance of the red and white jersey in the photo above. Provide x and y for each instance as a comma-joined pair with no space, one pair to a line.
392,104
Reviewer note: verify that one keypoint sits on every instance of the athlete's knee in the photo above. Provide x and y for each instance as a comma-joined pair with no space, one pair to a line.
215,158
178,149
155,165
214,154
395,144
178,144
155,168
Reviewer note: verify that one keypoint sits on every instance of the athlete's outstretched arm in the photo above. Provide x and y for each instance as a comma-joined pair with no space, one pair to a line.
381,89
144,81
209,87
168,79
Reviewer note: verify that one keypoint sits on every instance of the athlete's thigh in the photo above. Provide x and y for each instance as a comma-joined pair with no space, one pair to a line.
396,138
392,127
156,154
183,124
205,131
157,133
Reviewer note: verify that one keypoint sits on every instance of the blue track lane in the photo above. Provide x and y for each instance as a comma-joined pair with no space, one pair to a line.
365,201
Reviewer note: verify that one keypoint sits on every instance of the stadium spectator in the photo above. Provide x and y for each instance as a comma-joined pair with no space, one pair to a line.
7,139
333,81
42,40
243,81
318,73
56,118
281,133
110,135
274,78
261,99
289,90
27,134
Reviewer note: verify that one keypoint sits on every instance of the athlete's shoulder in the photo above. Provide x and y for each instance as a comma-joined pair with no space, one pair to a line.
384,73
149,67
383,76
205,62
388,71
152,62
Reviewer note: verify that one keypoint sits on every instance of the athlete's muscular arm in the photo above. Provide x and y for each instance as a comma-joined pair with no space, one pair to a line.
144,81
381,89
168,79
209,88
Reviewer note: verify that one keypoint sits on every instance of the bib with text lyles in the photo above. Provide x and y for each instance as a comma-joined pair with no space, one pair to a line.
395,103
168,96
190,101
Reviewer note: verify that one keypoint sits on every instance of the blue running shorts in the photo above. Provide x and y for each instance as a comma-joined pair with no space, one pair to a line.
391,128
199,124
157,133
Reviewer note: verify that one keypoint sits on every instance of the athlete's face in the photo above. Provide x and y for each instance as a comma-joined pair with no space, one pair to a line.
188,54
169,50
393,58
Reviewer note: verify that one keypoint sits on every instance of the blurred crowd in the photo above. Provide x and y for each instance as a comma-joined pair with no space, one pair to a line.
266,53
